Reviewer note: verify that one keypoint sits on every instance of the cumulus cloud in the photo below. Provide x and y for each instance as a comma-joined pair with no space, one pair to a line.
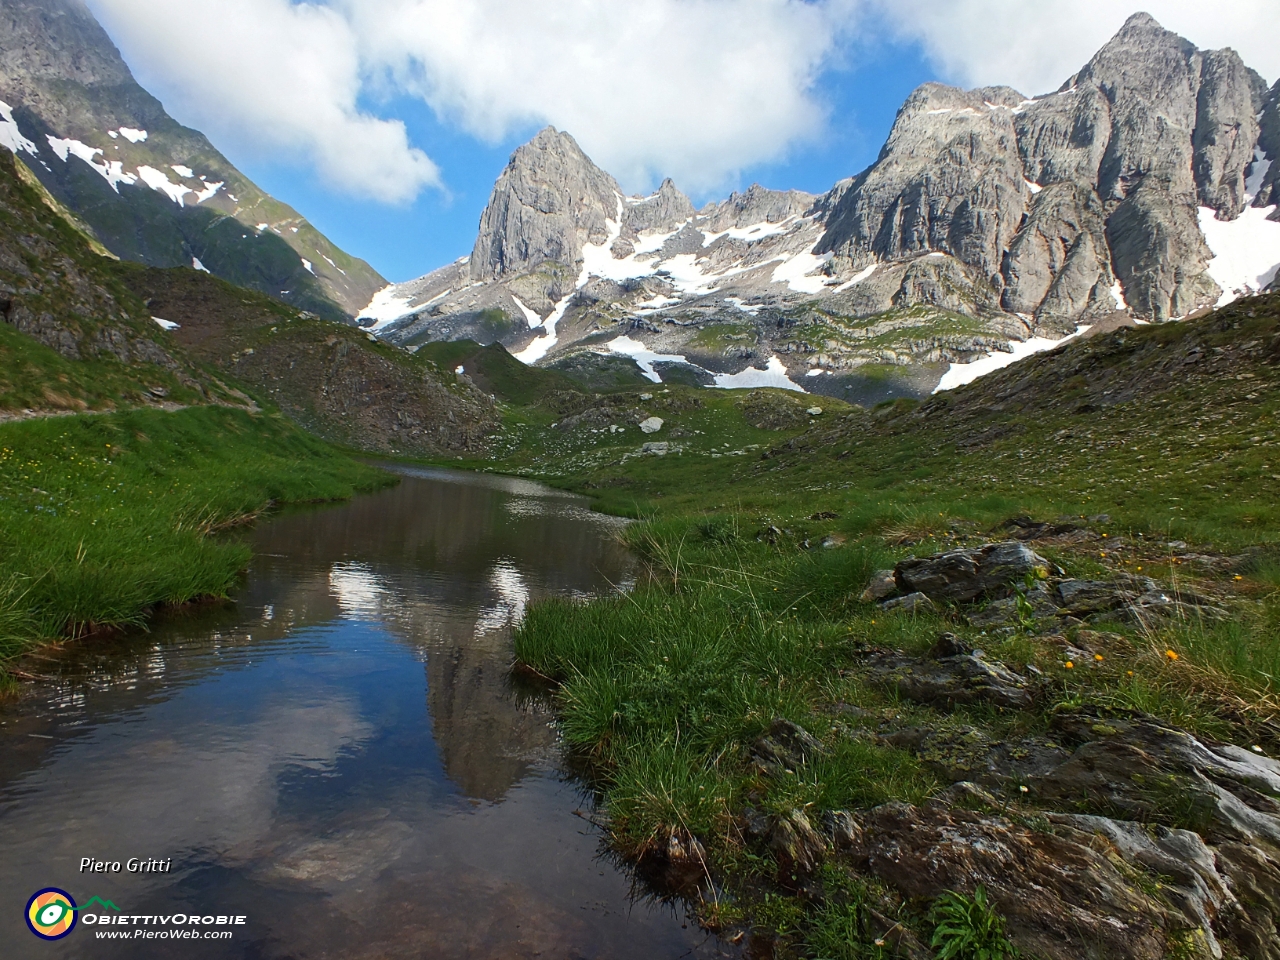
1034,46
693,89
271,75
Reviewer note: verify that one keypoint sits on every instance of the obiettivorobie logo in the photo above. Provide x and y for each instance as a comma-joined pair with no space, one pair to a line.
53,913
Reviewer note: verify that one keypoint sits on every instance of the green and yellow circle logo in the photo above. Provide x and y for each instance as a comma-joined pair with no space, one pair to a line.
51,913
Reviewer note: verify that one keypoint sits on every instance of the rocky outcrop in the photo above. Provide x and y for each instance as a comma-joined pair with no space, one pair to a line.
960,576
1058,267
1125,152
1061,898
949,179
1269,146
958,676
757,205
548,203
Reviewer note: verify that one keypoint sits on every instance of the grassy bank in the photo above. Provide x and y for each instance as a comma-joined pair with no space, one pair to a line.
1165,465
103,517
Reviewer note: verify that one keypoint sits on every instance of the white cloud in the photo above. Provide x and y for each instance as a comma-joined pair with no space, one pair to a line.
694,89
1034,46
270,76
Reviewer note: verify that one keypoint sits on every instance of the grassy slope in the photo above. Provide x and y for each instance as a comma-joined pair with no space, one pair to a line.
495,371
72,337
105,516
1169,430
329,377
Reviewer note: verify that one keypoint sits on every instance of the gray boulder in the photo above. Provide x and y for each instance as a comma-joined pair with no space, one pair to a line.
1062,899
787,746
960,576
962,678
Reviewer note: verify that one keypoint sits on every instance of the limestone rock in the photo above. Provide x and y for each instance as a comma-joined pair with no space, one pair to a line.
662,211
964,575
951,680
1269,145
1059,265
882,586
758,205
949,180
1153,772
911,603
797,846
787,746
548,203
1225,133
1062,899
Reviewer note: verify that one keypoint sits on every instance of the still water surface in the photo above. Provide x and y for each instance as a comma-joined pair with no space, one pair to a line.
339,755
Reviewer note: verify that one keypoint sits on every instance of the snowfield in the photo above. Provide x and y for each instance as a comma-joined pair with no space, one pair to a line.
958,374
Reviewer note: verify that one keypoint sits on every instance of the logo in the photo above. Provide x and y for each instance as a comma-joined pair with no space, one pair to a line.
51,913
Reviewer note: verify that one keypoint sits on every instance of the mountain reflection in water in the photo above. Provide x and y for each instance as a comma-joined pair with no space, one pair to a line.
339,747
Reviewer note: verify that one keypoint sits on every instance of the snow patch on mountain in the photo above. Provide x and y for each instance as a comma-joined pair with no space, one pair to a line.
543,344
132,135
752,232
796,272
773,375
1117,294
111,170
657,302
185,172
10,135
210,189
1246,251
643,356
387,306
858,277
166,324
159,181
532,318
197,265
958,374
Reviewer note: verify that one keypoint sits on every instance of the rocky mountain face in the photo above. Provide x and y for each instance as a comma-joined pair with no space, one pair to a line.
148,188
990,222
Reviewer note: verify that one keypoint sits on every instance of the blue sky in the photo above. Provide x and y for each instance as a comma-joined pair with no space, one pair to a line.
405,241
386,122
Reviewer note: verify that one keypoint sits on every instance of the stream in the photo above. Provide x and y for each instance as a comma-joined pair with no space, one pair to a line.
338,760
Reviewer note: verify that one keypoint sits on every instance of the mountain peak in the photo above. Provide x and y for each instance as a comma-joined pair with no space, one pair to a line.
549,201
